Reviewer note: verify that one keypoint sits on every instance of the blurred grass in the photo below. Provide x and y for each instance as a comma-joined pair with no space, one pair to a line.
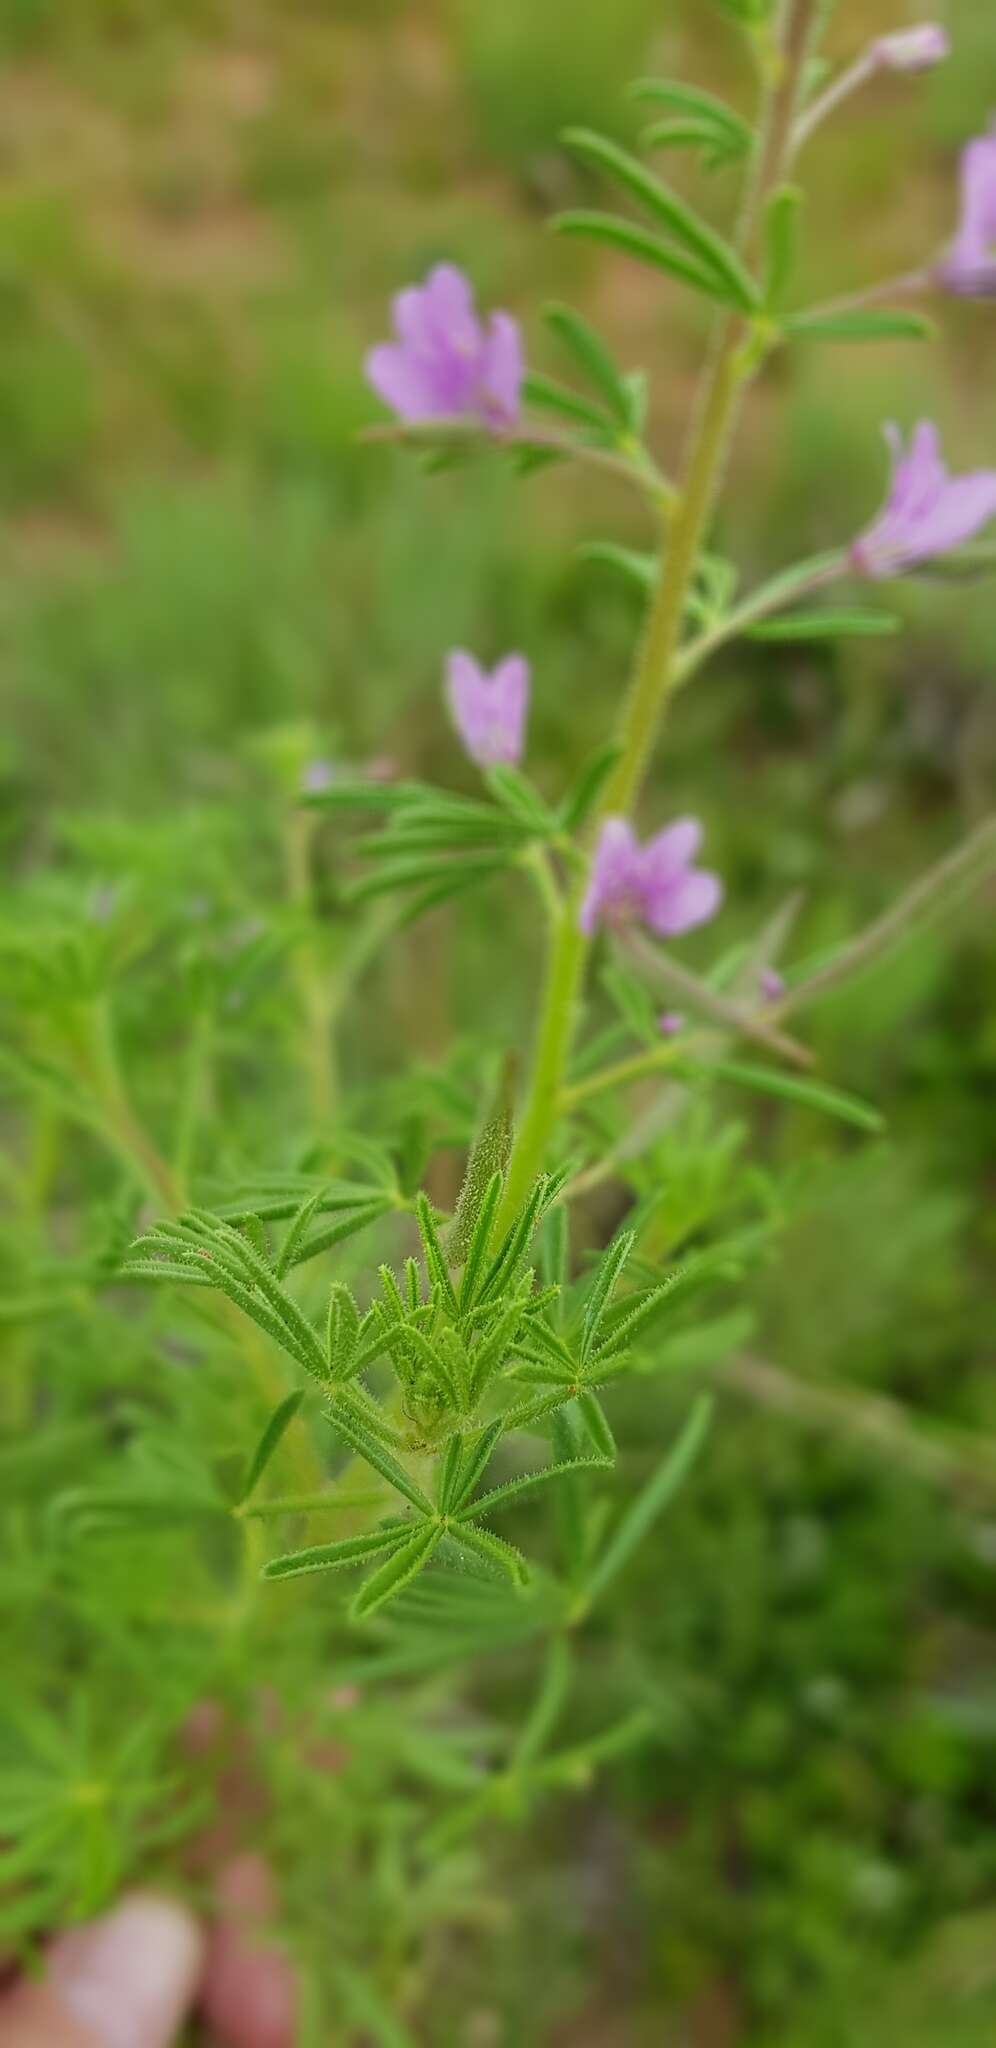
204,211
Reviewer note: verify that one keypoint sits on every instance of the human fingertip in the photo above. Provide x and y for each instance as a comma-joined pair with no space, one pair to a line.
129,1978
250,1992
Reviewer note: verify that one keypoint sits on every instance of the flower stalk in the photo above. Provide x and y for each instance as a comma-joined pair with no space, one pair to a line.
656,671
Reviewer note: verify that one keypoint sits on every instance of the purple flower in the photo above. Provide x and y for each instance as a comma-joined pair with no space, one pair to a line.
655,883
927,511
669,1023
446,363
969,269
489,711
318,776
771,984
912,49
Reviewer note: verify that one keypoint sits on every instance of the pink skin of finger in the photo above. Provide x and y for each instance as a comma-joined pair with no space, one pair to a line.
126,1980
249,1995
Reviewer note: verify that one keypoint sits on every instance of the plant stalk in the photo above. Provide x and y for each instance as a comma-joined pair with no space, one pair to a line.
654,676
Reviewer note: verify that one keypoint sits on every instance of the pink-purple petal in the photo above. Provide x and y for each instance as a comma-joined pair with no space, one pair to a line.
400,380
927,511
690,900
444,363
489,711
668,852
969,269
503,368
654,883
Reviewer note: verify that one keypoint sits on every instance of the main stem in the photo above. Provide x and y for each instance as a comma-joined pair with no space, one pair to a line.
654,673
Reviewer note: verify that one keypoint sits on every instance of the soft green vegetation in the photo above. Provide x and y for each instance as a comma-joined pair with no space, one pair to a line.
206,582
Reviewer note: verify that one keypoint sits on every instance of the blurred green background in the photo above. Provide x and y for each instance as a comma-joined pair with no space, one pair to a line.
204,208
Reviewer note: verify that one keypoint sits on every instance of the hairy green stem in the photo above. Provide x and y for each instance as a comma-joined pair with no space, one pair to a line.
655,672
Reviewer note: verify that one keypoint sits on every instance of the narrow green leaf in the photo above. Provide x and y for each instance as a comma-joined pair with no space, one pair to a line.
365,796
523,803
670,212
530,1412
435,1258
489,1154
167,1269
449,1477
273,1206
484,1543
592,357
548,1705
596,1423
579,804
480,1240
607,1273
528,1483
365,2008
281,1419
476,1462
781,234
615,233
397,1572
868,323
550,1375
438,877
515,1243
324,1557
555,1250
299,1224
685,132
793,1088
360,1438
550,396
690,99
336,1233
342,1330
575,1767
622,1332
261,1274
641,571
432,1359
824,625
659,1490
205,1271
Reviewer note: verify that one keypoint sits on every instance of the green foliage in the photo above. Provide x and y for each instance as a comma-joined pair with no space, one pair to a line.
628,1756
